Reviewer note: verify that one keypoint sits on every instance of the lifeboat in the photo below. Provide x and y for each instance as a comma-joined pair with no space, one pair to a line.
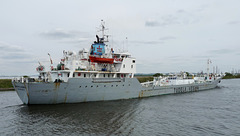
101,60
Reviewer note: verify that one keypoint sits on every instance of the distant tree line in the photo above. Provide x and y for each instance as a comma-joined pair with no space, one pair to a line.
229,76
158,74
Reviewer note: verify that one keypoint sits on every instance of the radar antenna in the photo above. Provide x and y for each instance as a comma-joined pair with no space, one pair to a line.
102,29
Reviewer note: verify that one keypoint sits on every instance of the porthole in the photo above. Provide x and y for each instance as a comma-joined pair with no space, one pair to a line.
85,86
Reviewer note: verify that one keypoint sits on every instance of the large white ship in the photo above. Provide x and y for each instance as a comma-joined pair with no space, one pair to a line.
100,74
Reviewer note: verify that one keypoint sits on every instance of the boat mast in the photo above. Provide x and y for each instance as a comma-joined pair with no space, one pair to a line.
102,28
208,63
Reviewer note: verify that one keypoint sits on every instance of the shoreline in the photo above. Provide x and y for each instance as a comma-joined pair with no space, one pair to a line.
7,89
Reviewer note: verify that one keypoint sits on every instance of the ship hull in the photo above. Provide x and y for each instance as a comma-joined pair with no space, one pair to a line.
78,90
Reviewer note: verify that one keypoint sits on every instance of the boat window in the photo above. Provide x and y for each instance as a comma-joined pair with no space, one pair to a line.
73,74
131,66
68,74
123,65
133,61
84,75
103,75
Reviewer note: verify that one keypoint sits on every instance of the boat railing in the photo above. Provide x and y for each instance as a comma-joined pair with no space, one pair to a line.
28,80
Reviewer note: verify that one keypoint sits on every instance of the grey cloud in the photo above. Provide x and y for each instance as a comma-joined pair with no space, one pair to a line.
58,33
181,17
6,47
15,56
147,42
163,21
9,52
167,38
180,11
203,57
222,51
152,23
233,22
61,34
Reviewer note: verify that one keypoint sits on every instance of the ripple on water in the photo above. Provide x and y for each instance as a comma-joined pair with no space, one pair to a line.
212,112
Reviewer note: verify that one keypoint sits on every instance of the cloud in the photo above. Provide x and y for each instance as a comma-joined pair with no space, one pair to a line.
15,56
221,51
162,21
180,17
6,47
59,33
167,38
152,23
65,36
11,53
147,42
203,56
233,22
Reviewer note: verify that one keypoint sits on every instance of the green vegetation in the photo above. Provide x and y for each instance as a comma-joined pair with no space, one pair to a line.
144,78
158,74
5,84
230,76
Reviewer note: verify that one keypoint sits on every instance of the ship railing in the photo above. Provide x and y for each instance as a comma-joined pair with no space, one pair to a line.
147,84
27,80
21,80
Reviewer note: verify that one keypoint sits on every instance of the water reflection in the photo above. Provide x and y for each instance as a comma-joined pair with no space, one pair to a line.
84,118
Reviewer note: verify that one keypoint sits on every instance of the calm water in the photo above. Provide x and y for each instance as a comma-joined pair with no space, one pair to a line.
212,112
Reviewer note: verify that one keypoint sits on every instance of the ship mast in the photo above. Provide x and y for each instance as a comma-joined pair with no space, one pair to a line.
208,63
102,28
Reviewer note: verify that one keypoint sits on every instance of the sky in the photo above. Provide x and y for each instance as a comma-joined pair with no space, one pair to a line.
163,35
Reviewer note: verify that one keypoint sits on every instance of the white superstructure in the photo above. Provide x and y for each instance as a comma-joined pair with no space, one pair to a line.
100,61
